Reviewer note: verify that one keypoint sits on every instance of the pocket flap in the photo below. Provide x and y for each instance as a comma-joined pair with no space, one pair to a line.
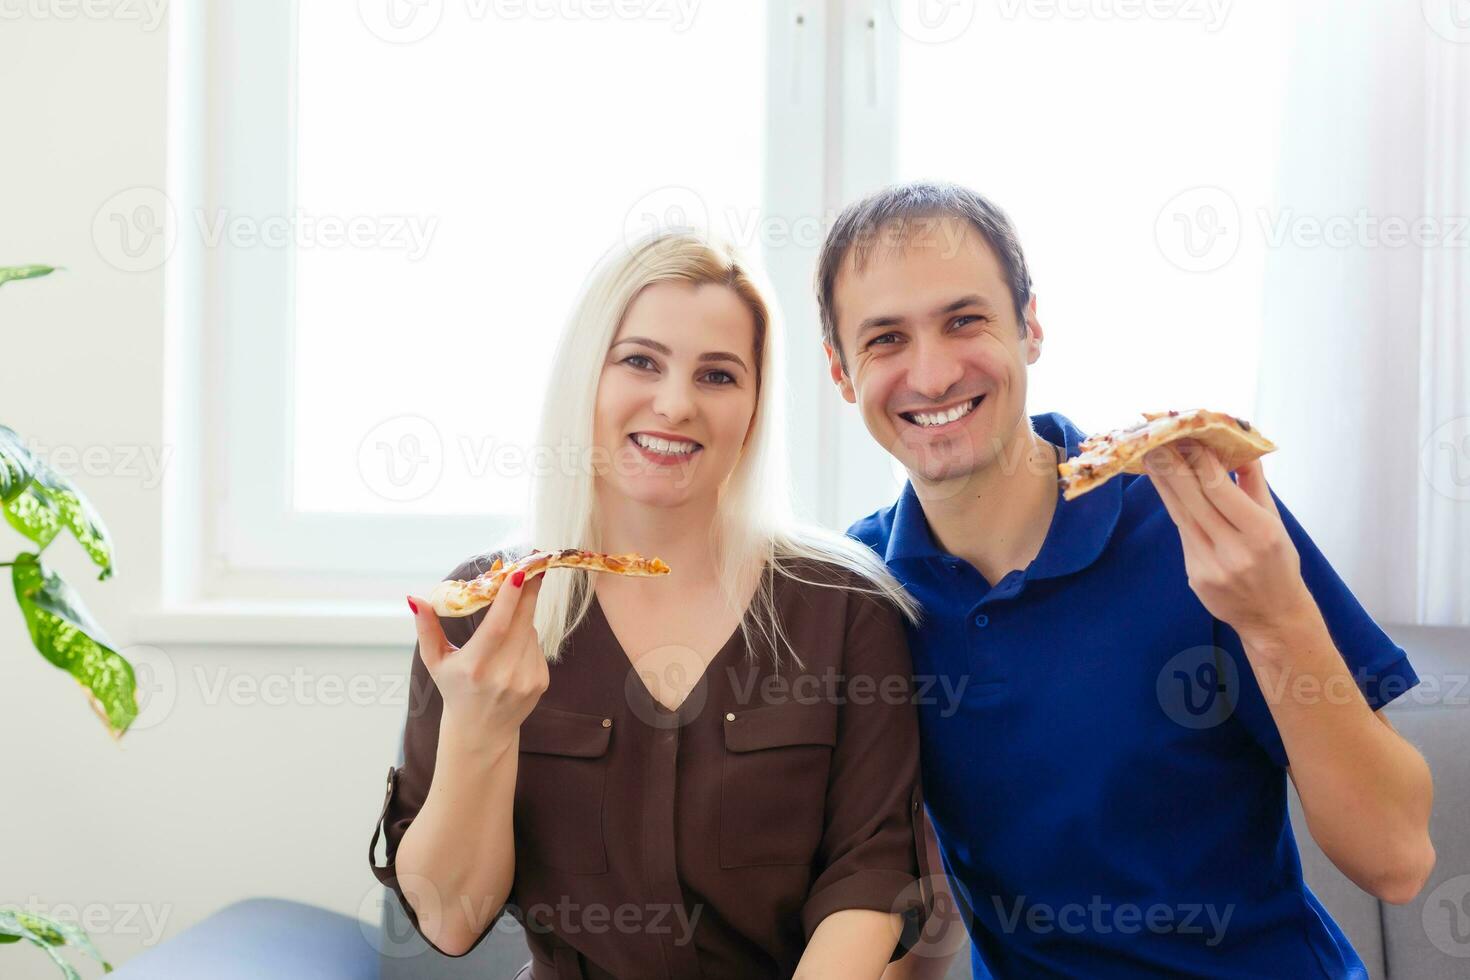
781,724
551,731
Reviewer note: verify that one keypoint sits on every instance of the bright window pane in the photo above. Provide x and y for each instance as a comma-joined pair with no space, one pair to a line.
1135,155
489,158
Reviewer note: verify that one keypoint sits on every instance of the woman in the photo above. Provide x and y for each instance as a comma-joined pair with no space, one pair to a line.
711,774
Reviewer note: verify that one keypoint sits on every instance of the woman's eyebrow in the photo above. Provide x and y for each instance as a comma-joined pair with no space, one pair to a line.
722,355
661,348
666,350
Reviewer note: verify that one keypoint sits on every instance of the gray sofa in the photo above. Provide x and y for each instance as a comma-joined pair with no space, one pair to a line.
1428,939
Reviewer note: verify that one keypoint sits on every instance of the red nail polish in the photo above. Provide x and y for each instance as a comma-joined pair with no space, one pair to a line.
413,607
517,579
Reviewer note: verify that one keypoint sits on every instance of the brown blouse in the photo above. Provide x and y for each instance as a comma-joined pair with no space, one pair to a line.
710,841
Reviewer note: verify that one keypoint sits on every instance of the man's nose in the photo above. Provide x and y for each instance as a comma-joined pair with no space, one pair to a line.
934,370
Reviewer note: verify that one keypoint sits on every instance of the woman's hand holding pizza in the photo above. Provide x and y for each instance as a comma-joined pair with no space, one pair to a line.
1241,562
493,682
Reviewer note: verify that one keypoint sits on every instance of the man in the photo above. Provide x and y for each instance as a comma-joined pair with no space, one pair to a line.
1136,672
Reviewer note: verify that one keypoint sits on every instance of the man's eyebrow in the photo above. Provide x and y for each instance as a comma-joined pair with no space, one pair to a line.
974,299
893,320
874,322
664,349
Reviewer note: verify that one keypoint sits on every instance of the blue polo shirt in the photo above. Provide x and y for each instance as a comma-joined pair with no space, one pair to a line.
1103,773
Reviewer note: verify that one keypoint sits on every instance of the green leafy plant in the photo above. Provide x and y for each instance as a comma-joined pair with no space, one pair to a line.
40,504
48,934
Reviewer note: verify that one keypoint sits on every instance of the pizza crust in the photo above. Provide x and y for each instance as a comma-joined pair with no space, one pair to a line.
1109,454
461,597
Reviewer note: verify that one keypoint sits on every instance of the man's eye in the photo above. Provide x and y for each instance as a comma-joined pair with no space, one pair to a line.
887,338
965,321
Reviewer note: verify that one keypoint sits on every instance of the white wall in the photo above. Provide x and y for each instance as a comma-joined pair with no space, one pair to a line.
221,796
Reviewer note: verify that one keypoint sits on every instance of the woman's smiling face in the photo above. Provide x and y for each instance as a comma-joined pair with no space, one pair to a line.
677,394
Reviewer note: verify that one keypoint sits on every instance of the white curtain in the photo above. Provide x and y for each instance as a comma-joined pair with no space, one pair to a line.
1365,361
1444,359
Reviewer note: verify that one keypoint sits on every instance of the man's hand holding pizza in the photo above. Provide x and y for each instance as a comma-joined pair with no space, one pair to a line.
1366,792
1239,558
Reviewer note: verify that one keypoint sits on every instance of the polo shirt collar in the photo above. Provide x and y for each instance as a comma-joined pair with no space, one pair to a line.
1079,529
911,537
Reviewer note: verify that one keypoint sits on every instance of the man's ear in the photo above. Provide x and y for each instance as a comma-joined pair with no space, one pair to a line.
1034,335
839,374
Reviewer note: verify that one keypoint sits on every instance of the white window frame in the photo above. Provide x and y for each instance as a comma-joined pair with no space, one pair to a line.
239,564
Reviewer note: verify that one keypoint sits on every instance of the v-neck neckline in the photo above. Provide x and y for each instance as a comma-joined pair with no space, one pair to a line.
734,640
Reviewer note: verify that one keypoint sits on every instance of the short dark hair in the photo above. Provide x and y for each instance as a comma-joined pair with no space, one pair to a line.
894,209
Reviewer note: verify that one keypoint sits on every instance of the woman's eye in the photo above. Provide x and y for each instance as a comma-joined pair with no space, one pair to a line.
720,377
640,361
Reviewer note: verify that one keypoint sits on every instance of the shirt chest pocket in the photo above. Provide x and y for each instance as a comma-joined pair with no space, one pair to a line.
773,789
560,782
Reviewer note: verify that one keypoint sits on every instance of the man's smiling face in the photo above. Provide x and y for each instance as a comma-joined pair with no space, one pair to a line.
935,356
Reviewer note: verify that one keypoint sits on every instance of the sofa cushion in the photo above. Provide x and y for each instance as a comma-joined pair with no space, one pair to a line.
263,937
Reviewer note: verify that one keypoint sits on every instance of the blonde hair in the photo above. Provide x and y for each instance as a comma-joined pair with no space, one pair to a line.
755,535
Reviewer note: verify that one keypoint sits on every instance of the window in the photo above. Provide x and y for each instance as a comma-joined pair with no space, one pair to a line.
1134,148
410,198
492,160
403,200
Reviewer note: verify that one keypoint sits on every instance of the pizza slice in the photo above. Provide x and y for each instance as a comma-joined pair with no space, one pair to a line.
1104,456
460,598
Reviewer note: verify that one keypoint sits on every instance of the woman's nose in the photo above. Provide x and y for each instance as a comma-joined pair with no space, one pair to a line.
673,400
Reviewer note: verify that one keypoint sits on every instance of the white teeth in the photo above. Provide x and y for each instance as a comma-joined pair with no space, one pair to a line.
664,446
942,418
